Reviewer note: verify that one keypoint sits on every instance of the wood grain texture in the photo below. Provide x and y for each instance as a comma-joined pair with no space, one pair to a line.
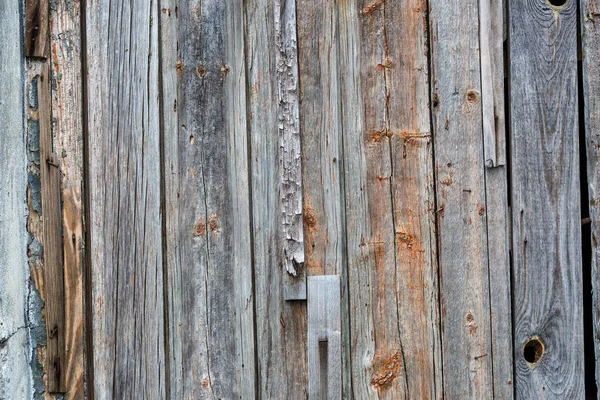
461,199
36,28
590,35
389,200
547,286
322,153
280,325
15,373
54,280
324,344
209,261
66,92
123,112
290,191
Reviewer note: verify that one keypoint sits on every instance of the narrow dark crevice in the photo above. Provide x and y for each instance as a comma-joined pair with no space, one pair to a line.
591,389
87,272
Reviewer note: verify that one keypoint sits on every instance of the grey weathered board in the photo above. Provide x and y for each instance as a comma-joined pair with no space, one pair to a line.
125,215
590,34
324,344
546,215
208,249
389,202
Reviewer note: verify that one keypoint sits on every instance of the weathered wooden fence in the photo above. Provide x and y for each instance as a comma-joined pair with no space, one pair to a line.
284,199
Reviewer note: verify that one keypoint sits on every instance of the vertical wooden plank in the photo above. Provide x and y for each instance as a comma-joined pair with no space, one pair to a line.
50,177
590,35
280,325
496,192
461,199
123,111
322,152
324,333
66,85
547,296
209,261
15,374
389,200
36,28
286,58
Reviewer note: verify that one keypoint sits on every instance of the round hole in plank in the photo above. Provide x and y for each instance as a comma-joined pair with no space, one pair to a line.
533,350
557,3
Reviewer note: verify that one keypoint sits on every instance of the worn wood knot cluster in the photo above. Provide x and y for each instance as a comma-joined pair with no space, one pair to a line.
386,369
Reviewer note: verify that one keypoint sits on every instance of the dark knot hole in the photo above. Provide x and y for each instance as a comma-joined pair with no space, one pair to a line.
557,3
533,350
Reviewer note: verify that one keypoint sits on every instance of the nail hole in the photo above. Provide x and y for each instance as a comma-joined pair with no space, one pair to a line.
533,350
557,3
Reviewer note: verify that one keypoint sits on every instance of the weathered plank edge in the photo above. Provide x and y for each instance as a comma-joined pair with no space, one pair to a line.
36,28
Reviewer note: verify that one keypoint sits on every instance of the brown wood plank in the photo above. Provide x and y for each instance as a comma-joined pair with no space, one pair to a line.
126,261
54,280
389,200
461,199
590,34
281,326
546,214
36,28
65,63
209,260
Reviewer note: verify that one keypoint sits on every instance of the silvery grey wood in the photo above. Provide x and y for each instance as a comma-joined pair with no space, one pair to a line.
125,214
461,199
280,325
546,214
209,262
290,191
590,35
15,375
324,344
487,84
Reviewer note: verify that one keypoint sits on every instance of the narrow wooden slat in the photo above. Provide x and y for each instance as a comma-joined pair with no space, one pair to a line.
209,260
36,28
487,85
461,199
389,200
286,59
324,337
322,153
546,214
590,34
121,73
50,177
280,325
65,63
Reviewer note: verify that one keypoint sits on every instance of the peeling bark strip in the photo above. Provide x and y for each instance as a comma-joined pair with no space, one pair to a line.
36,28
289,135
546,212
461,199
124,205
208,241
590,25
389,201
56,355
324,338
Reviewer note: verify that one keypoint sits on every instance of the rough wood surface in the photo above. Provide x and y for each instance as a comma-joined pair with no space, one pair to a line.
546,215
65,64
389,200
121,73
54,280
15,374
461,199
280,325
36,27
209,261
324,344
590,34
290,191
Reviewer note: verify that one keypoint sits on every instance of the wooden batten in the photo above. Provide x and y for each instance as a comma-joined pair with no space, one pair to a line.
36,28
